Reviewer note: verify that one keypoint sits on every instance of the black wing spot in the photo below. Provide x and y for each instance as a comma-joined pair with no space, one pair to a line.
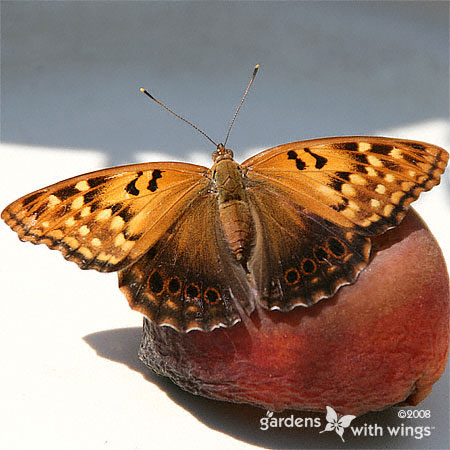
156,283
89,197
94,182
291,276
361,158
174,286
152,186
298,162
31,198
115,208
415,145
391,165
192,291
352,146
131,237
40,210
410,158
320,160
320,254
151,252
381,149
308,266
212,295
340,179
342,205
336,247
126,214
131,187
67,192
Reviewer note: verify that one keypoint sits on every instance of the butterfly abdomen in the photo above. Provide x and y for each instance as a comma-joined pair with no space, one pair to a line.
235,217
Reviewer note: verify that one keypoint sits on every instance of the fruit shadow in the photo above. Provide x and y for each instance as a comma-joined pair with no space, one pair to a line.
242,422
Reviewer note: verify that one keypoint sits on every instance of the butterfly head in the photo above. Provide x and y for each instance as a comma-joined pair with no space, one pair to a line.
221,153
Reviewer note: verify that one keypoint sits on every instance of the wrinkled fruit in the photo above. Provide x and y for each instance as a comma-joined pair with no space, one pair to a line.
377,343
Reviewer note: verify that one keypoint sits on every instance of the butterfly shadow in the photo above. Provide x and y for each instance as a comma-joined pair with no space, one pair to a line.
242,422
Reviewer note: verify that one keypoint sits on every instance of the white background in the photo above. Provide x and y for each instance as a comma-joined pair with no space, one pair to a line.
71,73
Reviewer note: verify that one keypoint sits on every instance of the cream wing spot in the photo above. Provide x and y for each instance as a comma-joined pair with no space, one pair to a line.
396,153
104,214
85,211
371,171
374,218
85,252
70,222
389,178
407,185
353,205
96,242
380,189
77,203
53,200
364,146
348,190
397,196
349,213
357,179
82,186
387,210
119,240
127,246
71,241
374,203
117,223
374,161
84,230
56,234
114,260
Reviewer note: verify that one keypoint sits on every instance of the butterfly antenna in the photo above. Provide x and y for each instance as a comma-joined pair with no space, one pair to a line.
177,115
255,70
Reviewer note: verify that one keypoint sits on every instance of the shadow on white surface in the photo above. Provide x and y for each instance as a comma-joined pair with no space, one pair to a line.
242,422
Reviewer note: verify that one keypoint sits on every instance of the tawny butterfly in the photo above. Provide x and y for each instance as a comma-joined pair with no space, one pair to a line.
197,248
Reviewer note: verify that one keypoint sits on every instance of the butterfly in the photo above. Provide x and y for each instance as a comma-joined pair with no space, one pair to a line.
198,248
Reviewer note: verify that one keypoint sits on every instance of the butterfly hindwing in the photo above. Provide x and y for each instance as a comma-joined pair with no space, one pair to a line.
188,279
362,183
309,261
106,219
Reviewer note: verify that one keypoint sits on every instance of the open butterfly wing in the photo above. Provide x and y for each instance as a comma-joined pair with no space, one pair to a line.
106,219
321,198
362,183
310,258
189,279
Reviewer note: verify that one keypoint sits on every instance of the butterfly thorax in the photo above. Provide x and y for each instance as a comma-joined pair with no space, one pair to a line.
235,216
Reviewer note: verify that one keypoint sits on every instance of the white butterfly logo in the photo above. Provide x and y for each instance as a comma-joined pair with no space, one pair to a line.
337,422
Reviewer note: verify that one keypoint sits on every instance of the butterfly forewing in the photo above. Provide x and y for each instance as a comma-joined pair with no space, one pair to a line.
106,219
362,183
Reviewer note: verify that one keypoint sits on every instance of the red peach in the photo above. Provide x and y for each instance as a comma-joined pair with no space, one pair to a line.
382,341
